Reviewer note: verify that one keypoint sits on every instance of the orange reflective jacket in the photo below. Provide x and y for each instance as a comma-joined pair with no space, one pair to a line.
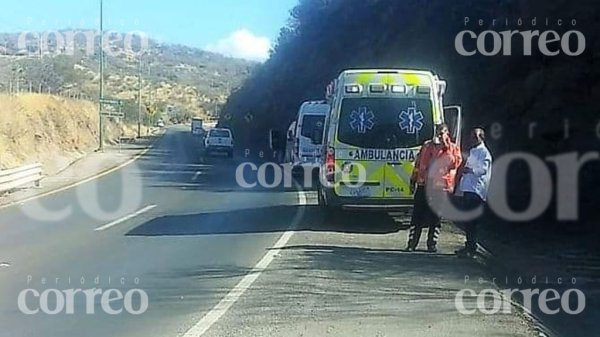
437,164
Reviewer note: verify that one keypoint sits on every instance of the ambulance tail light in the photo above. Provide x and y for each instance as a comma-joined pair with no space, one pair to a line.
330,164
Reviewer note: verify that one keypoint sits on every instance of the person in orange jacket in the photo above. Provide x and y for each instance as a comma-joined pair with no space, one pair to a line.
434,175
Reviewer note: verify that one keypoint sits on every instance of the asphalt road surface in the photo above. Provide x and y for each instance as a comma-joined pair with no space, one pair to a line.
216,259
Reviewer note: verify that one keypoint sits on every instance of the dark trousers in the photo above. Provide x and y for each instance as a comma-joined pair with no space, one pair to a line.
470,201
424,216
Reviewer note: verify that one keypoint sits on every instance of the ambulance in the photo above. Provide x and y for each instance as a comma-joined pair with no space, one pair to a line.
307,148
379,119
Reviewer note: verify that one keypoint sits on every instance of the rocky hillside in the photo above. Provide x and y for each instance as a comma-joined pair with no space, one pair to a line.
51,130
192,81
327,36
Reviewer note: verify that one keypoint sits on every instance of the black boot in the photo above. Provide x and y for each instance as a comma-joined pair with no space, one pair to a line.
432,238
414,235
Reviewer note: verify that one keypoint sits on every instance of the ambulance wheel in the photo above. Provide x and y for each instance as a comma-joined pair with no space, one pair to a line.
320,197
330,212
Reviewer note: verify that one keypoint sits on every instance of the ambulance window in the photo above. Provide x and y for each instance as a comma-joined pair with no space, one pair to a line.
385,123
310,123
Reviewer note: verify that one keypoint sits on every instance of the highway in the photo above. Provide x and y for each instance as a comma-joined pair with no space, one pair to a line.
216,259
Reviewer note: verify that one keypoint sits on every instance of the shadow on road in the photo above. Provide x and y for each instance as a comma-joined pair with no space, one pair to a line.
338,283
357,263
214,174
366,263
265,220
179,162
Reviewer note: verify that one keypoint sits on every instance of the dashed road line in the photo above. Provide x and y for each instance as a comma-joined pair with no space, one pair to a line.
125,218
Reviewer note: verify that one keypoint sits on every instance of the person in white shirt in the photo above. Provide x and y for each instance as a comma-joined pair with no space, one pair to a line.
474,184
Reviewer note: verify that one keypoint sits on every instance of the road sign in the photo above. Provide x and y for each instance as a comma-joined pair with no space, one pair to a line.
113,114
111,101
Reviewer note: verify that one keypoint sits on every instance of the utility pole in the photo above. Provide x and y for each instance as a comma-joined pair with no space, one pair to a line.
101,91
139,118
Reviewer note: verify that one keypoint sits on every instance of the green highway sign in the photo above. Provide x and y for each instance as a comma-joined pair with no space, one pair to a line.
113,114
111,101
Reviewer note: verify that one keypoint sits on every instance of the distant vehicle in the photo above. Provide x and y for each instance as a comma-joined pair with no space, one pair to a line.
197,127
160,124
379,119
219,141
309,122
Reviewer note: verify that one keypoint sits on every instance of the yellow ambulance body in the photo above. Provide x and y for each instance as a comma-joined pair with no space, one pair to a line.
379,119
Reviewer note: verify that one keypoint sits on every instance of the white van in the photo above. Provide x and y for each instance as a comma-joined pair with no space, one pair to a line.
310,120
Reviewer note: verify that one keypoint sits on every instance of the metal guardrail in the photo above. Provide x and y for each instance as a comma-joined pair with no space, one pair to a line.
126,140
20,177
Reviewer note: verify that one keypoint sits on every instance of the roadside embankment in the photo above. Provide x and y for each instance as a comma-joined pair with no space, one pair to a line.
51,130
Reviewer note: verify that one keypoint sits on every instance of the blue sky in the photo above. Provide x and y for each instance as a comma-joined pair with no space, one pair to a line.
236,27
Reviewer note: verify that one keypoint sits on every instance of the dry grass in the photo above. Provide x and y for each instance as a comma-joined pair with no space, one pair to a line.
48,129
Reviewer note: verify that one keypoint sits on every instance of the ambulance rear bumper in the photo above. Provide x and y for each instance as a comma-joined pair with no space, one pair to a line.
366,203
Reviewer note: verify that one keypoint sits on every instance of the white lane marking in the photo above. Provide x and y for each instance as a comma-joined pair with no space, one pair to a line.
125,218
306,195
225,304
86,180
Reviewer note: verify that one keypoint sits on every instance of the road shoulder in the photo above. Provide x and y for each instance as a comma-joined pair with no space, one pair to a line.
355,279
84,169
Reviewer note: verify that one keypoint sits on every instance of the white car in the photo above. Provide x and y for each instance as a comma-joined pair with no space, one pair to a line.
219,140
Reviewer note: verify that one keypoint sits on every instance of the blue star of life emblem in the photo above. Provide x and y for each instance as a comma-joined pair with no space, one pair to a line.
362,120
411,120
